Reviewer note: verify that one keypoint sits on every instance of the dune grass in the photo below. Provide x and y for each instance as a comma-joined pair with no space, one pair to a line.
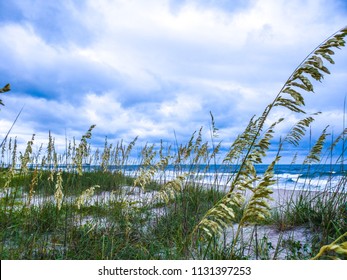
104,214
84,204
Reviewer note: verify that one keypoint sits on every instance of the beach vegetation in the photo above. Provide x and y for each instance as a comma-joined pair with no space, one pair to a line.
86,203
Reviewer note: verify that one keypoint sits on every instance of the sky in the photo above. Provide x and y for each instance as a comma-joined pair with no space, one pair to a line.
156,68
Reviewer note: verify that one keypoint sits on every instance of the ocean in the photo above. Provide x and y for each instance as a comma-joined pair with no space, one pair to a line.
316,177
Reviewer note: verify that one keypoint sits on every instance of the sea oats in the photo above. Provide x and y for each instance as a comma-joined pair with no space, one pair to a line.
251,146
58,195
82,150
25,159
85,196
334,247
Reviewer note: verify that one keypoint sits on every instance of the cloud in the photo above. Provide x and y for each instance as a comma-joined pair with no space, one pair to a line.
154,67
58,24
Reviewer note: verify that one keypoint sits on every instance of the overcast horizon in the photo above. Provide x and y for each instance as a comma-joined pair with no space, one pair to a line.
156,69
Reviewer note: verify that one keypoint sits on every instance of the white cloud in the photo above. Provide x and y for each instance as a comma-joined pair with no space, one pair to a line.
149,67
23,51
182,108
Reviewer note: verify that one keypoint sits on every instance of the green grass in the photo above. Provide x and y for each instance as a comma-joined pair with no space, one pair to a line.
118,229
111,230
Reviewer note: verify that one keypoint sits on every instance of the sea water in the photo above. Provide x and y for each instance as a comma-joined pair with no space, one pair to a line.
315,177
